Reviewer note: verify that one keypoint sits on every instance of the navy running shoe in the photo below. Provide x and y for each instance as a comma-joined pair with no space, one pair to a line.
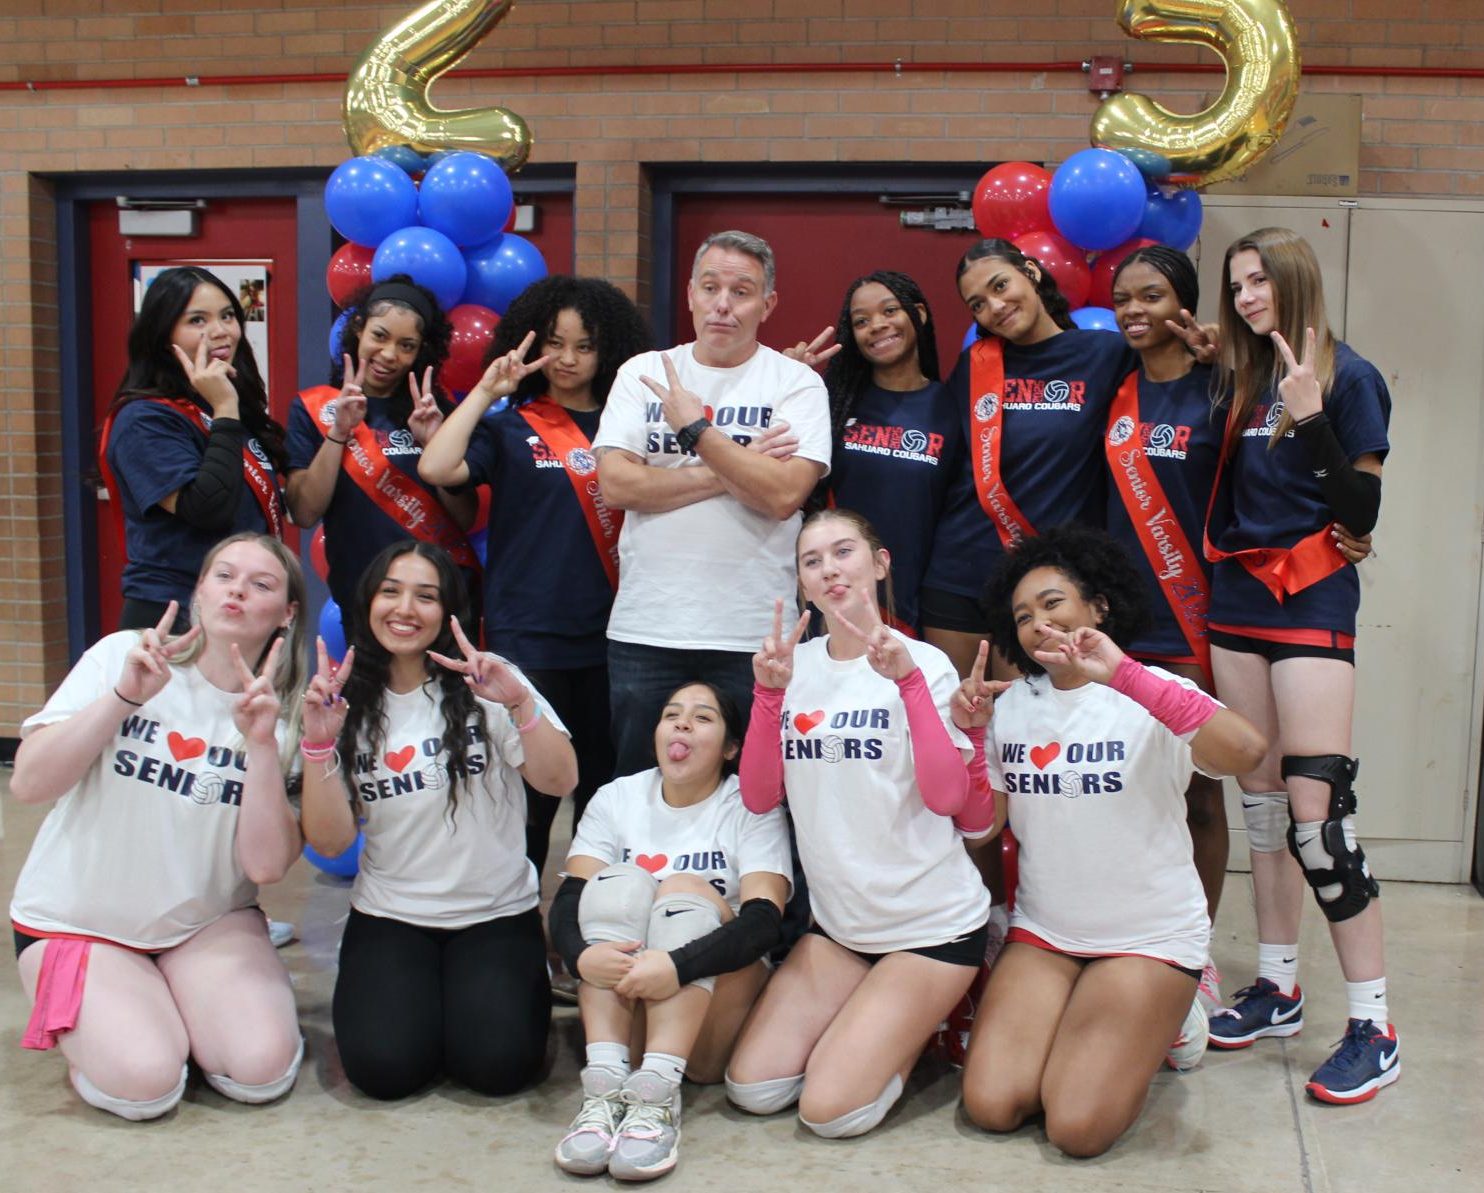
1366,1060
1260,1010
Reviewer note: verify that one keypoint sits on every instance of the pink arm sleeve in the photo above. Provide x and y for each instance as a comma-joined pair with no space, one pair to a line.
761,772
978,810
1180,709
941,777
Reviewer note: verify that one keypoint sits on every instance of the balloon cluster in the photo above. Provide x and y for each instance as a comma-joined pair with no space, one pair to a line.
447,232
1083,221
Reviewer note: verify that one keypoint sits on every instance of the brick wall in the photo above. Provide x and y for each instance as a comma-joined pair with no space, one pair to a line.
1419,137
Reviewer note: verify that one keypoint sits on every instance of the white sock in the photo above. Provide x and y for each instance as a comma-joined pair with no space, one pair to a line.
1279,964
671,1068
609,1055
1368,1001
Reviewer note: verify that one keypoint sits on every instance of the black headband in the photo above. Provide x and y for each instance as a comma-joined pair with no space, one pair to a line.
408,296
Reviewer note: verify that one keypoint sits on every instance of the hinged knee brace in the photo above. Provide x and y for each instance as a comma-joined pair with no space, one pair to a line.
1332,861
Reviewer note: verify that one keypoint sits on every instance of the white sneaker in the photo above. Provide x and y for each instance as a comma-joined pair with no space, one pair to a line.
280,932
585,1148
648,1143
1190,1045
1208,993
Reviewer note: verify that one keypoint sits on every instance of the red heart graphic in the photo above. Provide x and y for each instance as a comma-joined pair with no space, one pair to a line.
1041,755
397,759
806,721
653,864
185,747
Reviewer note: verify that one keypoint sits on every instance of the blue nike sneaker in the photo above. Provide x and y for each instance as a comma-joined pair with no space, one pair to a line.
1366,1060
1260,1010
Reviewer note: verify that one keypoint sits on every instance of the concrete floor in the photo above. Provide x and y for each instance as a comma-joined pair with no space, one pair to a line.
1241,1122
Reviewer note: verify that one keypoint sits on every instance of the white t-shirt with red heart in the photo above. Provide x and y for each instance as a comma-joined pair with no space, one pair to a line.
143,850
423,862
1097,800
718,840
885,873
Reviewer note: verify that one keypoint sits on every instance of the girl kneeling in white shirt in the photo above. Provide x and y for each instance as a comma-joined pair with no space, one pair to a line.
854,728
1092,753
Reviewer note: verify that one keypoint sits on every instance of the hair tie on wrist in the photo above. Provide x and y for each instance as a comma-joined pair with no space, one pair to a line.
341,442
529,725
126,700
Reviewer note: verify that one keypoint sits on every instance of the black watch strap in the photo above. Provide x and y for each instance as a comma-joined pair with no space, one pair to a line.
689,435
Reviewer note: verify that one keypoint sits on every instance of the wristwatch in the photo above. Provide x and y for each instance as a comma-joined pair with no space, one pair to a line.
689,435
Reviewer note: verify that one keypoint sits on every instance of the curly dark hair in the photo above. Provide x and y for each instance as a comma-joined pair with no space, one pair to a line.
431,355
153,371
608,315
1093,561
365,691
849,372
1046,288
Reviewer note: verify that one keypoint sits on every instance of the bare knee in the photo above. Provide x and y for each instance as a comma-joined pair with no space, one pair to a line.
1081,1132
995,1108
705,1071
1204,808
256,1057
140,1074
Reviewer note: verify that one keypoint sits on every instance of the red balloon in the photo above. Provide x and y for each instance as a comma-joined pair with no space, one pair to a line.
349,271
473,329
317,554
1065,261
1011,200
1107,265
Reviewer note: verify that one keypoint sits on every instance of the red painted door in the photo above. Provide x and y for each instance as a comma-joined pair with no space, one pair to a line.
822,243
258,230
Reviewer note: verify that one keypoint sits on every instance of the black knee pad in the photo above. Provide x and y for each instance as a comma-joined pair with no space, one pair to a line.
1331,864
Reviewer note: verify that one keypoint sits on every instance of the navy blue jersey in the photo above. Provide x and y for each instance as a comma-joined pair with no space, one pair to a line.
1181,437
1270,498
155,451
898,455
546,595
1055,408
356,529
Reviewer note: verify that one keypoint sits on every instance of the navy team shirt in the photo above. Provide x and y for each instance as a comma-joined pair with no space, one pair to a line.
155,451
1270,498
1055,407
897,457
546,595
1181,437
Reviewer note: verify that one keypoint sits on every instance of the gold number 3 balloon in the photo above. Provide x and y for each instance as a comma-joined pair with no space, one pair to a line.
386,96
1256,40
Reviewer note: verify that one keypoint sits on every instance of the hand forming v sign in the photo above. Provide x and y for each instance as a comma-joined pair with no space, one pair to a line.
1202,339
324,707
885,652
488,677
773,665
814,353
255,712
350,406
681,407
1090,651
425,418
972,706
506,372
1299,389
147,665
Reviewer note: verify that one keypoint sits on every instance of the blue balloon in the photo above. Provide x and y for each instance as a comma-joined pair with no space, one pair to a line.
342,865
1097,198
1095,319
428,257
501,269
466,196
332,629
337,336
969,336
1175,221
369,198
404,157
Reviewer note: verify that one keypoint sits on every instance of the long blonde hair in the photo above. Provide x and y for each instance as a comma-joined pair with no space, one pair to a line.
1250,366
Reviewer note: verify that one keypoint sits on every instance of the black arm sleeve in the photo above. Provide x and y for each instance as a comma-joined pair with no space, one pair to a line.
209,502
562,922
756,928
1353,496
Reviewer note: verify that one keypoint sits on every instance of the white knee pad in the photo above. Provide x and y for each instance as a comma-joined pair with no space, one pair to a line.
765,1097
1266,814
615,903
861,1119
136,1112
680,918
267,1092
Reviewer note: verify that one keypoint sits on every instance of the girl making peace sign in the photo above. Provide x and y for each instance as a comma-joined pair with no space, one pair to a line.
1306,435
854,728
425,740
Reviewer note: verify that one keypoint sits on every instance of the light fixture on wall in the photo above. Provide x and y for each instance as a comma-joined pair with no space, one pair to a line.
158,217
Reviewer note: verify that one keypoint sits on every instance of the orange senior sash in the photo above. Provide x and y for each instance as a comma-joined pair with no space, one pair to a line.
565,440
394,493
1174,561
1281,570
986,427
259,478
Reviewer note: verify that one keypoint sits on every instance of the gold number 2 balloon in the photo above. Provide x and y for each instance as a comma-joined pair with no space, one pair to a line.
1256,40
386,96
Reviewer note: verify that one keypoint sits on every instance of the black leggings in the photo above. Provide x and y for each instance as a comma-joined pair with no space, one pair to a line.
412,1003
580,697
